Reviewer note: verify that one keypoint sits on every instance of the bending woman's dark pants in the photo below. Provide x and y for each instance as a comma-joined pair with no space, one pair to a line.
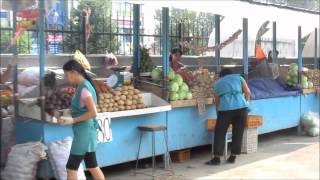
238,119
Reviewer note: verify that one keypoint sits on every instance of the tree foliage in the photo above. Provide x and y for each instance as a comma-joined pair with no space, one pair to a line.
101,22
195,28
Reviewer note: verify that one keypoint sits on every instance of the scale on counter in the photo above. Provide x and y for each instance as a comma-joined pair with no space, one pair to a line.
116,79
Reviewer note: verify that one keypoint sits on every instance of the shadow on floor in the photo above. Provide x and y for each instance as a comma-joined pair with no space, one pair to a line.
270,145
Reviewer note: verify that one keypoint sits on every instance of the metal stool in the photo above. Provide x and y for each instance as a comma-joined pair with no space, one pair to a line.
153,129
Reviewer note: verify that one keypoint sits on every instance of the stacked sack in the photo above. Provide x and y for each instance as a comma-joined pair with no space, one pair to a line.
7,138
58,156
310,122
22,161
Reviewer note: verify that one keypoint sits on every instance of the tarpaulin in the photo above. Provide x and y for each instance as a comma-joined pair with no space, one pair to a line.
271,88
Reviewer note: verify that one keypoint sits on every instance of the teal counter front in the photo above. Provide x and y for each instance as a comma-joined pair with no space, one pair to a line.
186,128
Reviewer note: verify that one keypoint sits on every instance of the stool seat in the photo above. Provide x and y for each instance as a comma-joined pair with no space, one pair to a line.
152,127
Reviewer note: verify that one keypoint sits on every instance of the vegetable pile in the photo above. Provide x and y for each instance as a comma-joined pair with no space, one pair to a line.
292,78
58,99
7,109
179,90
146,61
123,98
310,122
202,85
314,76
102,87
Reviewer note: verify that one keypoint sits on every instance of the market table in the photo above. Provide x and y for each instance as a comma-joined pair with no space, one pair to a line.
186,128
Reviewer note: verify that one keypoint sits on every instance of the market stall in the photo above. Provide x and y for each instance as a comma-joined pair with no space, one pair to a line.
183,107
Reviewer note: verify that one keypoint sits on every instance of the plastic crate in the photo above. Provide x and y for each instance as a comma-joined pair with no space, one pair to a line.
181,155
254,121
211,124
250,141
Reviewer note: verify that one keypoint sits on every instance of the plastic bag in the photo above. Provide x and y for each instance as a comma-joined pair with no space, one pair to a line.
310,121
110,60
22,161
78,56
29,77
58,156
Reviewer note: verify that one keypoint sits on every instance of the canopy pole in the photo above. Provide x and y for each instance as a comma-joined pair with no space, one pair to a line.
41,39
245,47
316,62
274,43
136,40
165,46
217,41
15,59
299,54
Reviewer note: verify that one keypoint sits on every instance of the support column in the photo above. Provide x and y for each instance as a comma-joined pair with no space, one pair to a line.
217,41
41,39
274,43
136,40
300,64
245,47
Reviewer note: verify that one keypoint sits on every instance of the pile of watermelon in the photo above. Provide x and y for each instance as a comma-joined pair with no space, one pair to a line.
179,90
292,78
310,122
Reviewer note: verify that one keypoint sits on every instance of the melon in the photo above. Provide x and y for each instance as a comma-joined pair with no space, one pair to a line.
189,95
174,96
156,74
184,87
178,79
171,74
173,86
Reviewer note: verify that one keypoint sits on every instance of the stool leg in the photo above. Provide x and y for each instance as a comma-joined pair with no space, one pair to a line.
212,143
226,147
153,152
167,156
137,160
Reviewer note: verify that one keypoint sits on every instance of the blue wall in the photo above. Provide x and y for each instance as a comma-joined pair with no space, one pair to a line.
186,128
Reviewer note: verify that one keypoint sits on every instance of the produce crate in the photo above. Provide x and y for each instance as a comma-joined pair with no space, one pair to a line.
253,121
250,141
181,155
211,124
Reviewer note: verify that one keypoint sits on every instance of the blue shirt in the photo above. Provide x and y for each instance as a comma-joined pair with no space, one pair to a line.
229,89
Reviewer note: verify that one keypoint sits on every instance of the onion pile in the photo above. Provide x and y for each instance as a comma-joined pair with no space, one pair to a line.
58,99
123,98
314,76
202,84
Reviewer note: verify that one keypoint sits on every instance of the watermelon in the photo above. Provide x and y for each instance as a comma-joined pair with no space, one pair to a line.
293,73
174,96
156,74
182,95
178,79
184,87
171,74
304,78
313,131
305,85
295,80
310,85
294,67
173,86
189,95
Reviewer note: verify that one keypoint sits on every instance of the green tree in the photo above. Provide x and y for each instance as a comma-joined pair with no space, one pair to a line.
195,28
23,43
100,21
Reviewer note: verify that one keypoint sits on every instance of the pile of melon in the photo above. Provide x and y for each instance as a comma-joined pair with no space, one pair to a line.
121,99
179,90
293,79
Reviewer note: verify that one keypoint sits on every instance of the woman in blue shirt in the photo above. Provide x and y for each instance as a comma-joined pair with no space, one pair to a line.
231,97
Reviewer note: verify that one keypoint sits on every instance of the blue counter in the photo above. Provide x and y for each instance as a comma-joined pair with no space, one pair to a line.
186,128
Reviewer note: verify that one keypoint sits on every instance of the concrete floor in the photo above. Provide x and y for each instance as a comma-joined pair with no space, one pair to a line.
281,155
